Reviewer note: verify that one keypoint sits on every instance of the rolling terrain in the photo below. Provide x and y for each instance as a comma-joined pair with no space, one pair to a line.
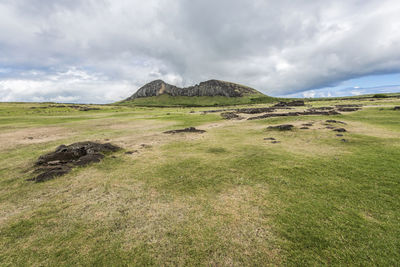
233,192
209,93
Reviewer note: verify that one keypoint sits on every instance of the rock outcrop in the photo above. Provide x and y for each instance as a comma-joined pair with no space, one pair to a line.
208,88
64,158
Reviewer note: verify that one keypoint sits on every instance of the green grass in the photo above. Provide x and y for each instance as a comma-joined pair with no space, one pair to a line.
197,101
226,197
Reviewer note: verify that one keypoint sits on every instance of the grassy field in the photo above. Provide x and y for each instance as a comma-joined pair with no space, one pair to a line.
199,101
226,197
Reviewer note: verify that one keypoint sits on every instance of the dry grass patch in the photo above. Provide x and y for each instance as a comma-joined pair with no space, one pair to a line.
36,135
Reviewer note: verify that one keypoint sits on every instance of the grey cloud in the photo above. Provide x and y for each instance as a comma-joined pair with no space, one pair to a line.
278,47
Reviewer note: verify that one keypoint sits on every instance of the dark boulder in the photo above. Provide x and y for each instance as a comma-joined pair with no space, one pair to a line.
335,121
283,127
295,103
254,110
64,158
340,130
344,109
185,130
230,116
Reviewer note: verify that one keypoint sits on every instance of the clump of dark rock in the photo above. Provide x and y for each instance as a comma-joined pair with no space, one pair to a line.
218,110
348,106
304,128
87,109
186,130
289,114
330,127
282,127
339,135
324,108
64,158
130,152
230,116
275,142
345,109
296,103
335,121
307,124
254,110
343,140
340,130
396,108
269,138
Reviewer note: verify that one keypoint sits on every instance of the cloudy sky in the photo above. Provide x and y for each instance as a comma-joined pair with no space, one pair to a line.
100,51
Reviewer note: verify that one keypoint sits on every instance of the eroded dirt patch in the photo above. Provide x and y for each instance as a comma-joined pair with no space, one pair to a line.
27,136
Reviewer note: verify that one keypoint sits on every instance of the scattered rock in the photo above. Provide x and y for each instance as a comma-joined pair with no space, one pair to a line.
230,116
348,109
46,174
324,108
131,152
269,138
330,127
30,137
186,130
89,158
340,130
335,121
88,109
64,158
283,127
275,142
339,135
145,146
254,110
343,140
348,106
289,114
296,103
307,124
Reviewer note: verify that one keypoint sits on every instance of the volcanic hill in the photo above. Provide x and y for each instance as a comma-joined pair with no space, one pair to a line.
208,93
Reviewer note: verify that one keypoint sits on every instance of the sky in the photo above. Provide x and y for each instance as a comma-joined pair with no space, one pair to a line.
101,51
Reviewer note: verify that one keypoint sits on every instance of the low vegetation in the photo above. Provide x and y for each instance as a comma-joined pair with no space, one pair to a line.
197,101
238,194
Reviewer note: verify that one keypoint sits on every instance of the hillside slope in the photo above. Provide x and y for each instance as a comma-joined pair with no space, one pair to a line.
208,93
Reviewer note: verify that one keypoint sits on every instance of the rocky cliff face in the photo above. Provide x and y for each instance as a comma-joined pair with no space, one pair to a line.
208,88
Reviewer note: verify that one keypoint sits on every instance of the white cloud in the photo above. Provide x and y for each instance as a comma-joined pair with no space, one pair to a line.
278,47
309,94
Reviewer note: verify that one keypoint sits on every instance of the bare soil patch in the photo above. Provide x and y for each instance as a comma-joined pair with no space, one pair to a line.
11,139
